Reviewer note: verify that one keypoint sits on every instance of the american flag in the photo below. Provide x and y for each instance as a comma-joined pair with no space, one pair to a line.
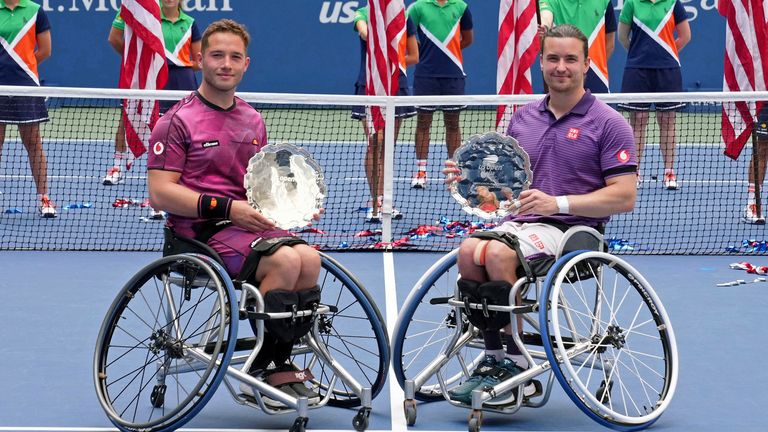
386,30
143,68
517,48
746,67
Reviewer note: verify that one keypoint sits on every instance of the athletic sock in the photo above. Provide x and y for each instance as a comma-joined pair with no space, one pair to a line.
493,345
513,352
119,160
751,193
421,164
668,171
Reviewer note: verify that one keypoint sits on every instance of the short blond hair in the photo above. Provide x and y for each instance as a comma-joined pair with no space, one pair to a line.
226,26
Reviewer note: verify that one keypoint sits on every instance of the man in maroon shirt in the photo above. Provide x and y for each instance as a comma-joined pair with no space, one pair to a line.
198,157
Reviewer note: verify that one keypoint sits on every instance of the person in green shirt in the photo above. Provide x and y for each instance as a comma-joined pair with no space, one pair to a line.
596,19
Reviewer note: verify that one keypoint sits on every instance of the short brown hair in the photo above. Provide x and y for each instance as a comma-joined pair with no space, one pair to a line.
226,26
566,31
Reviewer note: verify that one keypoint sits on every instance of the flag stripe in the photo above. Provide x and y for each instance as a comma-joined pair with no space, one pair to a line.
143,67
745,68
386,30
518,44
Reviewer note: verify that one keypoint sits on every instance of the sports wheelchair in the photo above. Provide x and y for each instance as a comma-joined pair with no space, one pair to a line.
589,319
170,337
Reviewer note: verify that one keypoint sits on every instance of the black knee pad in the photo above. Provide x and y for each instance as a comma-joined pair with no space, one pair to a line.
308,299
290,329
280,301
488,293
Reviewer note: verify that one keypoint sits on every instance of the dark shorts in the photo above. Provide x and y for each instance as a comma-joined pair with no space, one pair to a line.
179,78
358,112
594,84
652,81
431,86
233,244
22,109
761,128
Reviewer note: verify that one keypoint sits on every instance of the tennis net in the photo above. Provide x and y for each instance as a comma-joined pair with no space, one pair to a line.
703,216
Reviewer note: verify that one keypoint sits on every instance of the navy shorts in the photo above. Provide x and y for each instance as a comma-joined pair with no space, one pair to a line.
432,86
22,110
179,78
358,112
652,81
762,121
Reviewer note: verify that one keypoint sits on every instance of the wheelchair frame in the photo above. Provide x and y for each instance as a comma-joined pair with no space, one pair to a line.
210,355
563,357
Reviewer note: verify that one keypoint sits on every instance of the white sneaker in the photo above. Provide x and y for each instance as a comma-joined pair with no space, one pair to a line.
670,181
750,215
157,214
419,180
47,208
376,218
113,177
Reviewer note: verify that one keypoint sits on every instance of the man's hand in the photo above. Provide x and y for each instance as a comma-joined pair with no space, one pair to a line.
451,172
244,216
534,201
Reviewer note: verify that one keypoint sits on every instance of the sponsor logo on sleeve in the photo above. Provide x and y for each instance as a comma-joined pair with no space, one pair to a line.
158,148
209,144
623,156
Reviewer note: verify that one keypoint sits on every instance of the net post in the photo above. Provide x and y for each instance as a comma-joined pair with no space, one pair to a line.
389,158
755,170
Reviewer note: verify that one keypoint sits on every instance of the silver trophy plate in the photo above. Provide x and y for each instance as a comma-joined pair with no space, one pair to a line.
285,184
494,171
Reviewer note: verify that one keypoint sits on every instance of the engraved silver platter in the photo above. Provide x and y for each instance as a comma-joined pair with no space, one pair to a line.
285,184
494,171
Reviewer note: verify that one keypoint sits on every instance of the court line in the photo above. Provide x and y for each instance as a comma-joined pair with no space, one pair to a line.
95,429
396,394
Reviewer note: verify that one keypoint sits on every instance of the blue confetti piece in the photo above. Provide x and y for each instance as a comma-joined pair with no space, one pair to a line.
343,244
72,206
12,210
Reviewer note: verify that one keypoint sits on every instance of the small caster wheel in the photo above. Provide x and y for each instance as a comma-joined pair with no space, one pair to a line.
409,407
299,425
603,393
475,421
360,422
158,395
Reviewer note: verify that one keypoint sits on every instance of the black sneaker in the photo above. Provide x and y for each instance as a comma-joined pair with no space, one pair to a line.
508,369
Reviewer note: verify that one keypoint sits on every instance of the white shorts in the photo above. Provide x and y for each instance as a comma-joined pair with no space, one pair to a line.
535,238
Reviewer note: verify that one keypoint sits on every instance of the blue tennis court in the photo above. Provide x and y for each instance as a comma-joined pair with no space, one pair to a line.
52,303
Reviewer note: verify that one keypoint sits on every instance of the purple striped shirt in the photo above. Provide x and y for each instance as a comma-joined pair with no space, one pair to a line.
209,146
575,154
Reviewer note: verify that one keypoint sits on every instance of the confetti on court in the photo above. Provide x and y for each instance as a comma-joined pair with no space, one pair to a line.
80,205
129,202
619,244
749,246
12,210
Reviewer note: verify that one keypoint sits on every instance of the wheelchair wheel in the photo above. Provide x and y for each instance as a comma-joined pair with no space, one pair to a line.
426,325
162,348
354,334
613,349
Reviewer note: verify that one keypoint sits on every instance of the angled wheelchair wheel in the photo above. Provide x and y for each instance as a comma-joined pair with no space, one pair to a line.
162,348
354,334
426,326
613,349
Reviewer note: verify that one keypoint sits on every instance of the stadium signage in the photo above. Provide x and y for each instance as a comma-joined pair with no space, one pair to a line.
338,12
114,5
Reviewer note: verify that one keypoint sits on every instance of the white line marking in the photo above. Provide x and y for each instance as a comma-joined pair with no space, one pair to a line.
95,429
396,394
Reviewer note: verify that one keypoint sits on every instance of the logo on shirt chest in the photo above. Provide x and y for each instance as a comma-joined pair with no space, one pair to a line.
209,144
573,133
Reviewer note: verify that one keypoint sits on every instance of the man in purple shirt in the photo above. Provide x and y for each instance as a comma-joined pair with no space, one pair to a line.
582,155
198,157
